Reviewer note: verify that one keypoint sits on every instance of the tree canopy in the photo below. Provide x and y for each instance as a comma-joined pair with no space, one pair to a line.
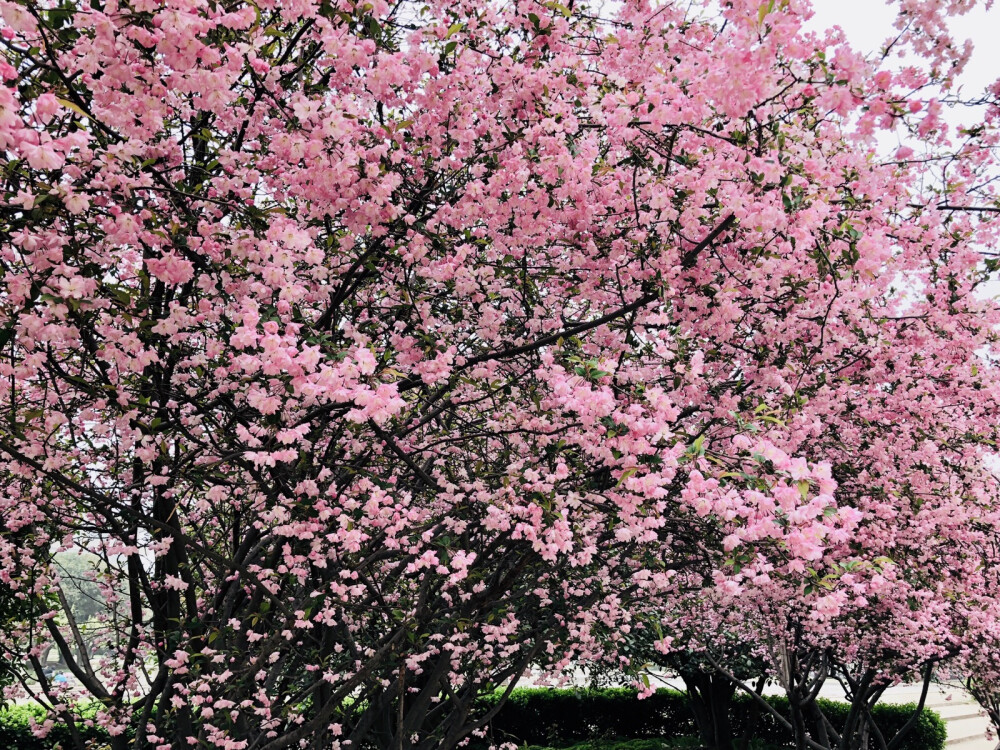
383,351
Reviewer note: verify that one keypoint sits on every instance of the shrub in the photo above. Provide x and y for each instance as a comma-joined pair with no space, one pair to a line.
16,732
607,719
624,745
549,717
543,716
928,734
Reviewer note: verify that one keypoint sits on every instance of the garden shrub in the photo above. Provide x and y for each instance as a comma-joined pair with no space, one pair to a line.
606,719
16,732
928,734
562,717
619,745
545,716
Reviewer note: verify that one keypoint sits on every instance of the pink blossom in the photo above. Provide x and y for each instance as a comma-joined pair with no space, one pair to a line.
171,268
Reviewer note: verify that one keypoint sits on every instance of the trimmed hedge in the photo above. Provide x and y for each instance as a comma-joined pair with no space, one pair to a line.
613,717
546,716
929,733
561,717
626,745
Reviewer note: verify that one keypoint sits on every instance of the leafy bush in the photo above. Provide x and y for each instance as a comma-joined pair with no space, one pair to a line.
928,734
680,743
16,732
607,719
548,717
542,716
626,745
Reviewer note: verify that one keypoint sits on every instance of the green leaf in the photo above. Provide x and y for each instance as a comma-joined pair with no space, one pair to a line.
626,474
72,107
559,8
698,446
765,8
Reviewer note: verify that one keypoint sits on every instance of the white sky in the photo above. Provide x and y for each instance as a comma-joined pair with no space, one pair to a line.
868,23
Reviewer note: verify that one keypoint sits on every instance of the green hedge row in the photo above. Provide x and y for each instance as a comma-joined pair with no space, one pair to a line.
549,717
626,745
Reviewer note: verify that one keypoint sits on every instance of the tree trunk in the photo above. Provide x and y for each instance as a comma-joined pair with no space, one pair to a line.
800,733
711,698
816,723
754,717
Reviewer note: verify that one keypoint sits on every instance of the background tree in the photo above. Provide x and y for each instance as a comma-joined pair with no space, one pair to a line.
78,579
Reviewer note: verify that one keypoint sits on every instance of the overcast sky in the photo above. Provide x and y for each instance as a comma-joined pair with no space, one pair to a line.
868,23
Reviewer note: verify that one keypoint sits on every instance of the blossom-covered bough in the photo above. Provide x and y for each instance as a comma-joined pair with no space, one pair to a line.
384,351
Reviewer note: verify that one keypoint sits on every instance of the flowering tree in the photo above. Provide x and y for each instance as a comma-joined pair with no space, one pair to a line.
383,351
